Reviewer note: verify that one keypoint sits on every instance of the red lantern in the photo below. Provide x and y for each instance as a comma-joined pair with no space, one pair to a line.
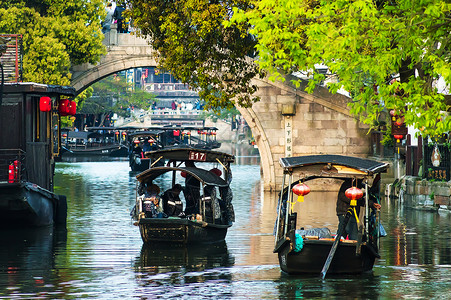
398,137
183,173
117,133
63,107
301,190
45,104
176,132
72,108
354,194
11,173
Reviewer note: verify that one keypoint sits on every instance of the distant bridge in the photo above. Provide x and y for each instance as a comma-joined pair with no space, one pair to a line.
286,122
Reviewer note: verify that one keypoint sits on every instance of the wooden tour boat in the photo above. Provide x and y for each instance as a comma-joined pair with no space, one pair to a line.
29,144
105,141
206,190
316,250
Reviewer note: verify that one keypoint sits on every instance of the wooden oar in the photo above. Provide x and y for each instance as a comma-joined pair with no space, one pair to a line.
335,244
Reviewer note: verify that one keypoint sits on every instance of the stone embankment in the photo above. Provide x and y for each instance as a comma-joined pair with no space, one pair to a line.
423,194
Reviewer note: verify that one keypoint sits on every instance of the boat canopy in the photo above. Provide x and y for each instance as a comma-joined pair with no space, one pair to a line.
100,128
145,133
204,176
332,165
78,135
190,154
38,88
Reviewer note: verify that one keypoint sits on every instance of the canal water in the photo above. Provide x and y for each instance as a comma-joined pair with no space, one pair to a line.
100,255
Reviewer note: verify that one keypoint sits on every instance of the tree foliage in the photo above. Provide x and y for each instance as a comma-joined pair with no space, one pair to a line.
388,54
114,95
196,48
56,35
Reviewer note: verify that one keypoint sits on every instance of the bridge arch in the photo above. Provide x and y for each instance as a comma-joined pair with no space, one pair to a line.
287,121
84,78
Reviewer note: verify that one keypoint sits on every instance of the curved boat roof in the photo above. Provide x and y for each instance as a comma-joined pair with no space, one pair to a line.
338,163
184,153
145,133
202,175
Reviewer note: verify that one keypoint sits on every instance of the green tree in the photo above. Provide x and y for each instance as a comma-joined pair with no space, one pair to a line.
388,54
114,95
196,48
56,35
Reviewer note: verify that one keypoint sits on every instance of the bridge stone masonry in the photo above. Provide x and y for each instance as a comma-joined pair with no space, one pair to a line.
290,122
287,121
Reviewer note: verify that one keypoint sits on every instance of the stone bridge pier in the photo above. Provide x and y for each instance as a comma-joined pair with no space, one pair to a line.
286,122
290,122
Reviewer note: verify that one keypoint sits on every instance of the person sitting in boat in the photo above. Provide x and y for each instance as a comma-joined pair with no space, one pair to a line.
152,206
146,146
343,204
172,204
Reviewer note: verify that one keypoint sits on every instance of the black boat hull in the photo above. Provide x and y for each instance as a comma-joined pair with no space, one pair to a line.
178,230
103,151
311,259
26,204
141,166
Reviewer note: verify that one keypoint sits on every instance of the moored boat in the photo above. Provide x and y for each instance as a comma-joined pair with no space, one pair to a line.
208,210
317,250
29,143
104,141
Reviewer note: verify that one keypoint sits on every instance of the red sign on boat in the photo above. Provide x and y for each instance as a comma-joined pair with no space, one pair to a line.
199,156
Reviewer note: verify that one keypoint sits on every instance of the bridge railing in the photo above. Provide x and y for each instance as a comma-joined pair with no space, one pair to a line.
114,38
168,111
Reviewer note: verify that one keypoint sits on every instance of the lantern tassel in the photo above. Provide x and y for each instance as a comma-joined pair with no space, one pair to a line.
300,198
292,205
355,213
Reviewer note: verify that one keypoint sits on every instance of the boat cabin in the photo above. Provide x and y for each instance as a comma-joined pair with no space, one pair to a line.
199,176
30,125
318,250
29,144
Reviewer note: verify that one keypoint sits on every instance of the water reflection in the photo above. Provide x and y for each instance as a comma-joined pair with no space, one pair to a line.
102,256
28,258
169,258
364,286
416,237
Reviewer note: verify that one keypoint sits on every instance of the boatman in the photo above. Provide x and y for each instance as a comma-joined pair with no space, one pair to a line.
192,191
172,204
343,204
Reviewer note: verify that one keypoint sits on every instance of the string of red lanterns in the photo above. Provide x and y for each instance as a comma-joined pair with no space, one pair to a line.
66,107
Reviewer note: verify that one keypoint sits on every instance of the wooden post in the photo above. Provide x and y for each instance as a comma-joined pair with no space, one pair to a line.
408,156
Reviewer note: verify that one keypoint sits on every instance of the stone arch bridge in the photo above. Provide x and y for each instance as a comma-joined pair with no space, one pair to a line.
286,122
